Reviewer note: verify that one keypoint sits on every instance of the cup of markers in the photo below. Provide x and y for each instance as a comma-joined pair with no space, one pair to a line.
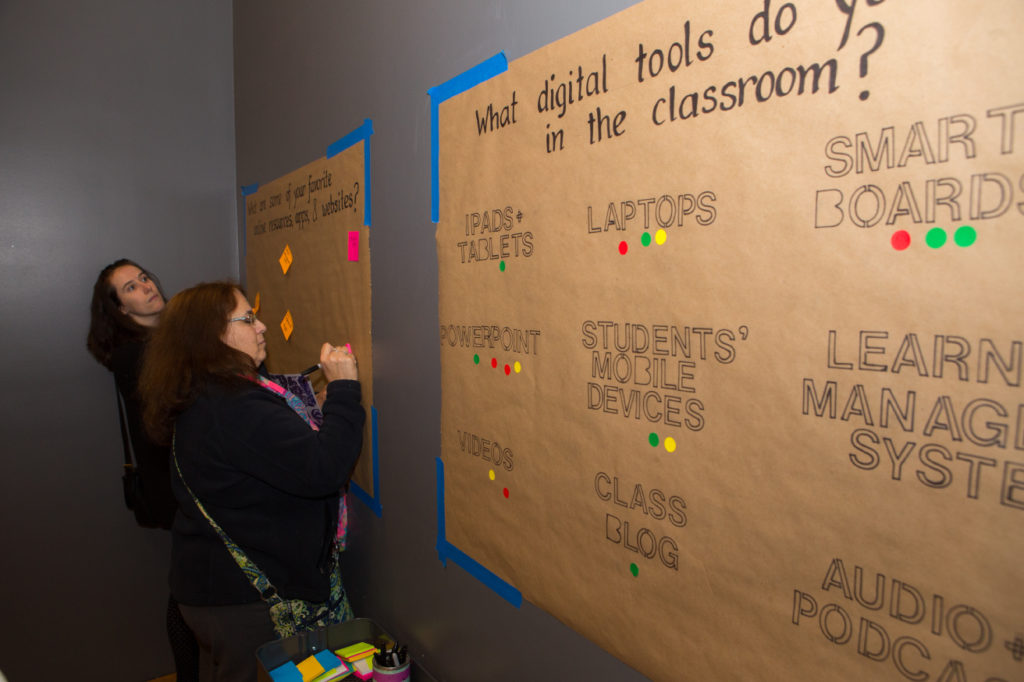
391,665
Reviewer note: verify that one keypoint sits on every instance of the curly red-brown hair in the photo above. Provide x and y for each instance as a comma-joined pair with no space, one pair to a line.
185,353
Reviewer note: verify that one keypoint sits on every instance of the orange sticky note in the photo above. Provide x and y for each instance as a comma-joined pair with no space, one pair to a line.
256,303
287,325
286,259
310,668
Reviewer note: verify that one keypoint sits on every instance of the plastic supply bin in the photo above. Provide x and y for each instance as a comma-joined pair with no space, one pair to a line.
276,653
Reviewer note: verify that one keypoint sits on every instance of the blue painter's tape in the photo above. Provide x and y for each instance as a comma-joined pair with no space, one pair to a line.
442,543
367,194
471,566
435,179
362,133
468,79
250,189
446,551
373,502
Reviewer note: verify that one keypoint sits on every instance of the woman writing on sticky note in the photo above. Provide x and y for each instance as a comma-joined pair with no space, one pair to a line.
254,551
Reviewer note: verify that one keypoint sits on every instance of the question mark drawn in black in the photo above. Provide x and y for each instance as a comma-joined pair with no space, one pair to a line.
879,37
355,199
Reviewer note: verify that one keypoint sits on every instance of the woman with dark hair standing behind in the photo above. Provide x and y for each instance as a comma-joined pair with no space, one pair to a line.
126,305
257,484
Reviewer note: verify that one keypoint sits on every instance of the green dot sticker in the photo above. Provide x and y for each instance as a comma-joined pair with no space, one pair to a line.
653,440
476,359
634,570
965,235
935,238
645,240
501,266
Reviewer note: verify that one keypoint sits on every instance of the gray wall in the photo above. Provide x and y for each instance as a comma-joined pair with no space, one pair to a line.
116,139
118,136
306,73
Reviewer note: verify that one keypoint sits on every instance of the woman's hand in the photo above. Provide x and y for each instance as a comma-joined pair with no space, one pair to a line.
338,363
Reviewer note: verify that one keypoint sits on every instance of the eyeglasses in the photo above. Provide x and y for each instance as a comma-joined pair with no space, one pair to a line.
248,318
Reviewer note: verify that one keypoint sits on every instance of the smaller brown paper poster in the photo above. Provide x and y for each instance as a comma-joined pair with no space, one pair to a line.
731,332
307,260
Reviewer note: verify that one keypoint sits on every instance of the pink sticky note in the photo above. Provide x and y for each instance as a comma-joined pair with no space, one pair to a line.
353,245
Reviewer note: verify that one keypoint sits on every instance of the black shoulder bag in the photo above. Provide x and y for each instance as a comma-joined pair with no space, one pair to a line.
131,481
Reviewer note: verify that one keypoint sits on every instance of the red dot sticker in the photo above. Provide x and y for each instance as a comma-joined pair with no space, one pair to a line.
508,370
494,362
900,240
623,248
505,493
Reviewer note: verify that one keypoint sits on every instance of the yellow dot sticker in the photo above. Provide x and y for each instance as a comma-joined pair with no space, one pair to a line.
660,237
490,474
287,325
517,367
670,444
286,259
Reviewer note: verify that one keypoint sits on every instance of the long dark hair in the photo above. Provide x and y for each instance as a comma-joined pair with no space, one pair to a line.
185,353
108,326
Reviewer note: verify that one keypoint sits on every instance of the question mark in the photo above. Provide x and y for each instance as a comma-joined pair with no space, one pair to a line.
744,330
356,199
879,37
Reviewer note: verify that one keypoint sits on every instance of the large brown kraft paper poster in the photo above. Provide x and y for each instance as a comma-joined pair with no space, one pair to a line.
731,336
301,278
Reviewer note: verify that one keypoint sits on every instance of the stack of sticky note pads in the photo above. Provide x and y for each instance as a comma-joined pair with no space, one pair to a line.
322,666
360,657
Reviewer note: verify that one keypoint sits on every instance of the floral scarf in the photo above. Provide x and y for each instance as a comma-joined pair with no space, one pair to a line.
296,404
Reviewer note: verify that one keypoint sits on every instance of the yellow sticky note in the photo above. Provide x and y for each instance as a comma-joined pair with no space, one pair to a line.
256,304
356,651
286,259
287,325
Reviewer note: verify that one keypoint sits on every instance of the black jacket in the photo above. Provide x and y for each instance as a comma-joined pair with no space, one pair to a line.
151,459
270,481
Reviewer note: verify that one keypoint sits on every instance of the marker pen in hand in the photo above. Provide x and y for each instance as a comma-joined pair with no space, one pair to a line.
309,370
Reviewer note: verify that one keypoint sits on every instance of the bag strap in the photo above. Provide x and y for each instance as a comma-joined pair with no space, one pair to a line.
299,407
257,578
125,441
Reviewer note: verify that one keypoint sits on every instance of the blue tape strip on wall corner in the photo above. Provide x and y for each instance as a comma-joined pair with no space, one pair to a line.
362,133
442,543
468,79
250,189
367,194
447,550
372,502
